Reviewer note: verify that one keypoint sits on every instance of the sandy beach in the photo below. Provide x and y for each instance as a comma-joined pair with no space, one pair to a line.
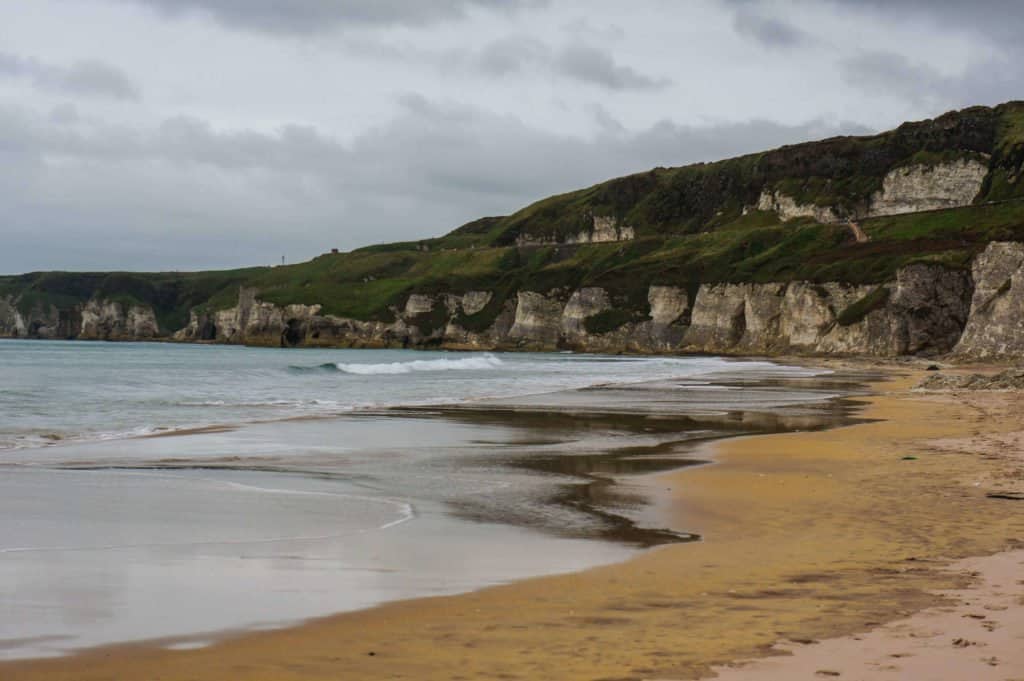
806,537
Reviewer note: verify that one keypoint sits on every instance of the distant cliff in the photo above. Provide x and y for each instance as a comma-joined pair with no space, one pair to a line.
927,309
909,242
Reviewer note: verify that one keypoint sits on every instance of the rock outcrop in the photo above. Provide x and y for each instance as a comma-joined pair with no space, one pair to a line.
789,208
907,189
1011,379
538,320
922,187
603,229
995,327
932,306
255,322
109,320
475,301
583,304
97,319
922,312
12,323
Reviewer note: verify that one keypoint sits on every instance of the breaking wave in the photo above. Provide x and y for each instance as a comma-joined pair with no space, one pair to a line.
481,363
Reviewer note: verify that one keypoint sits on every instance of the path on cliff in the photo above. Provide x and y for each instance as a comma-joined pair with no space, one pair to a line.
859,234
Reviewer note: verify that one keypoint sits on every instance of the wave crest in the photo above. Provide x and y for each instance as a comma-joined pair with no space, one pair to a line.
481,363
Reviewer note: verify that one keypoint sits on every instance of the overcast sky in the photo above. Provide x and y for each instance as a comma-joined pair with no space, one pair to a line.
188,134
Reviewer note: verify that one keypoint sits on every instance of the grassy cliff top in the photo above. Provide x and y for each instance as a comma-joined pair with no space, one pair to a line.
690,226
842,172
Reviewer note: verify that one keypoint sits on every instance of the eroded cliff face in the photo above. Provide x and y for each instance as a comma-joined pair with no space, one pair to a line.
908,189
995,327
583,304
109,320
255,322
916,188
923,311
789,208
95,320
927,309
538,319
603,229
12,324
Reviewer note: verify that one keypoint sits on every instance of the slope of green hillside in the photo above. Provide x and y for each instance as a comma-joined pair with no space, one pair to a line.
841,172
364,284
690,224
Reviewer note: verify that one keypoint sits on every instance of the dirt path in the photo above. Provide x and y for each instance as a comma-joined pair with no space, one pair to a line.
858,233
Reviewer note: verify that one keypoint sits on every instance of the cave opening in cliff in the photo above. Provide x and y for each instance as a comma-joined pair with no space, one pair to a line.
293,333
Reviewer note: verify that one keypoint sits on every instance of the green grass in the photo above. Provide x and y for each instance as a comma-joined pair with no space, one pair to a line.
934,158
960,226
1006,177
1011,132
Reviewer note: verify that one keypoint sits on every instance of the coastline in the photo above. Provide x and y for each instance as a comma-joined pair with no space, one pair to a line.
276,523
805,536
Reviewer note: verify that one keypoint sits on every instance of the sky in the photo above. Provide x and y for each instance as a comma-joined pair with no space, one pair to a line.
199,134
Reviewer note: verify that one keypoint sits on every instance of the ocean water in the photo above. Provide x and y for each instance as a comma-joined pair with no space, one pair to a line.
176,492
59,391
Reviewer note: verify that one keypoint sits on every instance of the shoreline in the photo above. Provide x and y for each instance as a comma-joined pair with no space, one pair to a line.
635,619
52,440
549,461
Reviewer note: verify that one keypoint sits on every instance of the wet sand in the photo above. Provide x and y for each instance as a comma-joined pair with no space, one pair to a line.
266,525
805,536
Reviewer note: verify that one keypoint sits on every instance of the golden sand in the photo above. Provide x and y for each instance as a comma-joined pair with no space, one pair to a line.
806,536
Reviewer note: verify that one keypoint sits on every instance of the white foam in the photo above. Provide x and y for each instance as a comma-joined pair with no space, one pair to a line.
481,363
256,404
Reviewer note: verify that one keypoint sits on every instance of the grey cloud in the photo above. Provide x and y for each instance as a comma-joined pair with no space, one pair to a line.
86,77
993,26
251,196
304,17
512,54
64,114
987,80
997,19
598,67
516,54
768,31
888,73
584,28
885,73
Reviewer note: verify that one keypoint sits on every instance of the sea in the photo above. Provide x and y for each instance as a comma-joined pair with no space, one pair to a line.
178,493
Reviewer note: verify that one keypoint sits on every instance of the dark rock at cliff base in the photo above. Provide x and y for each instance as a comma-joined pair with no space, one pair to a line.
1011,379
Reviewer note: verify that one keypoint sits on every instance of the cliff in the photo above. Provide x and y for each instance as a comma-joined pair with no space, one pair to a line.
904,243
927,309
